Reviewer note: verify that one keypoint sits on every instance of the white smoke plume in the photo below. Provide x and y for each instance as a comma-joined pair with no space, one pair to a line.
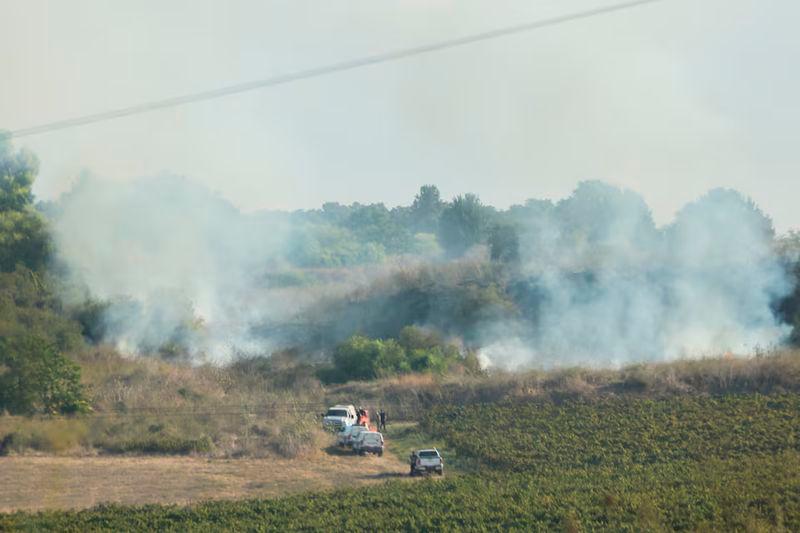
612,288
174,259
600,283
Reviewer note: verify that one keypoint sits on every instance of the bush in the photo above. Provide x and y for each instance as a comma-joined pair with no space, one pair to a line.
36,378
417,350
45,435
360,357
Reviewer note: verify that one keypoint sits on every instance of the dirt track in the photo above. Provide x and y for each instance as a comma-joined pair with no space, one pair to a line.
34,483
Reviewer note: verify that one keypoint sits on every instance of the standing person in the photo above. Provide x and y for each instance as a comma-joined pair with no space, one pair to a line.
383,419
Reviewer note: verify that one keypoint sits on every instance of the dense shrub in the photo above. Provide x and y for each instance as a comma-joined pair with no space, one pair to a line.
361,358
36,378
48,435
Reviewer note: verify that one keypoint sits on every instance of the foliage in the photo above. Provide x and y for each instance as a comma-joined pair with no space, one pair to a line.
788,309
426,209
374,224
416,350
325,245
24,237
17,173
618,432
504,243
36,378
29,306
454,298
426,245
90,315
43,434
597,214
363,358
462,224
24,240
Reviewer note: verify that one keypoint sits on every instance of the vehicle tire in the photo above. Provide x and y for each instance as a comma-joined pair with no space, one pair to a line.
380,453
362,452
440,472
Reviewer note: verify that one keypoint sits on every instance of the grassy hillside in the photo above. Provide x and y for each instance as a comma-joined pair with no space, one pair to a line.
270,406
619,464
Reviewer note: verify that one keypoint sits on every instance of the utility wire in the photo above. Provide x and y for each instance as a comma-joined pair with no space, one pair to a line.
322,71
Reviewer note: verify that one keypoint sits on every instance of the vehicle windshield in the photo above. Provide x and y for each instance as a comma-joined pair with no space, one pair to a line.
337,412
428,454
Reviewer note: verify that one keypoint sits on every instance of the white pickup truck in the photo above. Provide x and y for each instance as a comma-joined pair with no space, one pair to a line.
339,416
423,461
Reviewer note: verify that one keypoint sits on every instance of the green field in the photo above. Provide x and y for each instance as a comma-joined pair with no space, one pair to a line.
620,431
623,463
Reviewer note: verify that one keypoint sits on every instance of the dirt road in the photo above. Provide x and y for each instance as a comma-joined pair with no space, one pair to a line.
34,483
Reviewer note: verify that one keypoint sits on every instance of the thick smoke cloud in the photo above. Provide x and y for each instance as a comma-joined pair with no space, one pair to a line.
597,283
612,288
178,263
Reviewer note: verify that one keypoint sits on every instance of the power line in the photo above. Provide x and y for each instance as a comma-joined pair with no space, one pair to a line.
321,71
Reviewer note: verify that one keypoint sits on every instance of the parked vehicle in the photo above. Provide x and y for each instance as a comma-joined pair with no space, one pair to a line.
339,416
348,433
424,461
368,442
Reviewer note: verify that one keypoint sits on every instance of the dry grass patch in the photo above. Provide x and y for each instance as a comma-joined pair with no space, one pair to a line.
36,483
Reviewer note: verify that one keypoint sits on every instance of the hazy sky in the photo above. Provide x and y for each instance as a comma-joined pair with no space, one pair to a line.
669,99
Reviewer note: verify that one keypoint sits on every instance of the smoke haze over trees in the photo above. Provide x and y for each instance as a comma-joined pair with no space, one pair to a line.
164,266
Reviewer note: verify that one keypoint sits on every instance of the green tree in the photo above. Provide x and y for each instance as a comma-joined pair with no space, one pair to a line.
17,172
601,214
504,243
24,239
36,378
426,209
374,223
788,308
29,306
462,224
416,338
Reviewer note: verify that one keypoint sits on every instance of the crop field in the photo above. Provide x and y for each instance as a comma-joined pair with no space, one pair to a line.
619,432
685,463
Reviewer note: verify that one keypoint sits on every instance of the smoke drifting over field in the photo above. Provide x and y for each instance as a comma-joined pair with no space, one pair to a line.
596,283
